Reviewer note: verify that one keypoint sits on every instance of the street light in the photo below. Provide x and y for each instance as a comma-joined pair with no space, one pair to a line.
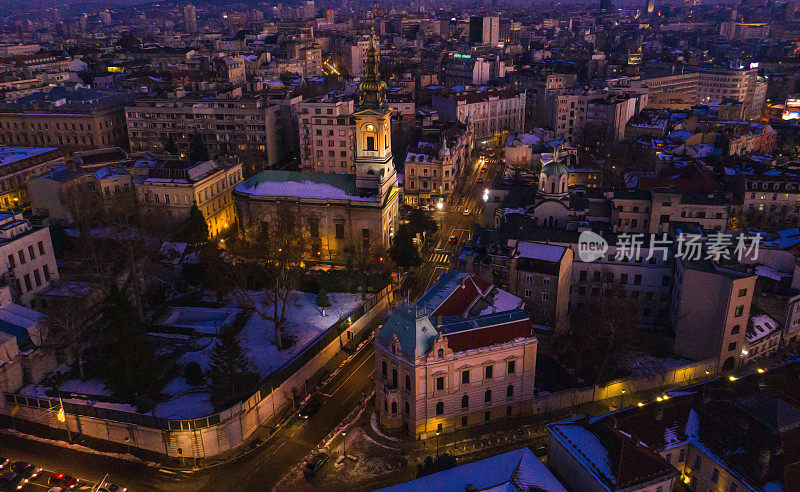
622,399
344,444
437,441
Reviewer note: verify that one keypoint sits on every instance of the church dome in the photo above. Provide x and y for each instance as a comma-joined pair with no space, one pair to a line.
554,169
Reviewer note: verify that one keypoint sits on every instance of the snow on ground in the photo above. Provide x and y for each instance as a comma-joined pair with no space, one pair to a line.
186,402
201,320
373,422
304,321
88,387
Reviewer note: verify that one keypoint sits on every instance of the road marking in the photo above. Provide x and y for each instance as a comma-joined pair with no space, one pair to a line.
350,376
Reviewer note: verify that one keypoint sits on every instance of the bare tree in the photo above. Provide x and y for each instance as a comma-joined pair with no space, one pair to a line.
277,249
69,326
362,259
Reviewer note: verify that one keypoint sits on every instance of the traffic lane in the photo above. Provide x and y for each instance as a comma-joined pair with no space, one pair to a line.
294,441
86,467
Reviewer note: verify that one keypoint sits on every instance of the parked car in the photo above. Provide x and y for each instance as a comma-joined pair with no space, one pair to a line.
27,470
540,451
111,487
479,180
10,481
309,410
314,464
4,462
453,239
62,480
466,211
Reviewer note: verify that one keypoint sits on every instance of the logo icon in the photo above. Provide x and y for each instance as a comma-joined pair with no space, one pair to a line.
591,246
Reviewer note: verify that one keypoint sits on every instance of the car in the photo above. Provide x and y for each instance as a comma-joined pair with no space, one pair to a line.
313,465
466,211
12,481
4,462
479,180
540,451
453,239
483,169
62,480
111,487
309,410
27,470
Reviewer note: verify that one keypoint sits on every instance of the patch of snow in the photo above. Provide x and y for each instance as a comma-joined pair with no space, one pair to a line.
692,424
373,422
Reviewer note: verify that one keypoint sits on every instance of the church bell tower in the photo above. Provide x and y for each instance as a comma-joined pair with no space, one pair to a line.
373,156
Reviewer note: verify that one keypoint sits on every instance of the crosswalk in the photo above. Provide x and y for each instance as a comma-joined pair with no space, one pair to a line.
439,258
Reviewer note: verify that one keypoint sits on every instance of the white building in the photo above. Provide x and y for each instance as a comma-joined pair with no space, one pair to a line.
327,133
492,112
28,255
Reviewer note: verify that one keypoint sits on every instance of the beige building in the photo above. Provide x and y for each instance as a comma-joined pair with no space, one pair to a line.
651,211
173,186
311,57
463,355
710,312
774,196
229,122
27,252
68,119
18,165
492,112
327,134
434,164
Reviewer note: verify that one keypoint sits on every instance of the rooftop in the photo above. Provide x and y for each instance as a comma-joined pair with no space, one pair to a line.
314,186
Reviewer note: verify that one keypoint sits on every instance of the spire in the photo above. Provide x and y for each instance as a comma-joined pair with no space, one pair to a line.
371,90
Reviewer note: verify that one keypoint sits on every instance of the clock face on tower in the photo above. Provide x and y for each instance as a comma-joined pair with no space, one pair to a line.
370,127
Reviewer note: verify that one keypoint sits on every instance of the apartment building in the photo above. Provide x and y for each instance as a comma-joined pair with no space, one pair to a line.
230,123
538,273
311,57
66,118
327,133
492,112
742,31
18,165
773,195
710,311
433,165
171,187
652,210
464,354
717,85
542,87
587,116
28,256
484,30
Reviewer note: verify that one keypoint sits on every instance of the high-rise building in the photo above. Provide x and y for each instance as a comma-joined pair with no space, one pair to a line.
484,30
606,6
190,18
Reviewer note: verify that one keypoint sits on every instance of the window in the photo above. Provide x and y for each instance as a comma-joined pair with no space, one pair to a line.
36,278
408,408
742,292
371,143
487,415
511,366
440,408
314,226
383,368
30,252
489,371
487,397
440,383
339,230
394,407
11,262
46,270
465,401
408,382
739,311
394,378
21,255
715,475
637,280
464,421
545,296
28,285
41,247
735,329
682,456
440,353
731,346
697,463
510,391
465,377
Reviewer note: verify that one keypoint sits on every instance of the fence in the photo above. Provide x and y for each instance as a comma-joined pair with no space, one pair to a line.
209,435
679,376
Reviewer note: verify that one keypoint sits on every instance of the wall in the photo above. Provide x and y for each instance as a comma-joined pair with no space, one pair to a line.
200,437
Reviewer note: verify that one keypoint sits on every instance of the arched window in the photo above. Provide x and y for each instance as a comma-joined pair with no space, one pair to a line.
408,408
735,330
394,407
553,187
562,186
383,367
371,142
464,401
394,378
440,353
440,408
408,382
510,391
487,397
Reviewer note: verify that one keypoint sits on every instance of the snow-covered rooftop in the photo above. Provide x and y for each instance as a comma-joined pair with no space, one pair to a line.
319,186
540,251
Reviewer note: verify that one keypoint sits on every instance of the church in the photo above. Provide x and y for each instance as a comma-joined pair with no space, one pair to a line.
553,207
338,208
